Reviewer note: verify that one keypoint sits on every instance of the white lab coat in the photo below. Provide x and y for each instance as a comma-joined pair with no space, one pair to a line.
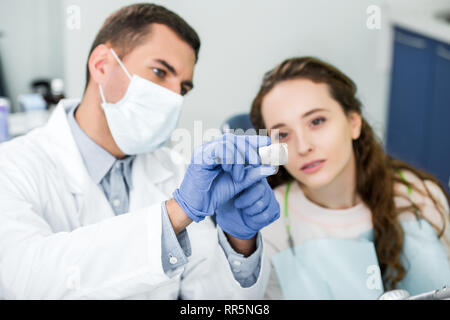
60,239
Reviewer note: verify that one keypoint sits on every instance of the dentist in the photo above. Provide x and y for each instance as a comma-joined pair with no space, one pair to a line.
93,207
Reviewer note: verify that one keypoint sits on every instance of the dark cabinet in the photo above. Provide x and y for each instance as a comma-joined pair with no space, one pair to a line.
418,130
439,129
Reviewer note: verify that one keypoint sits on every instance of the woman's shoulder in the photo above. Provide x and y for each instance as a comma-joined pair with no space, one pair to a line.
280,194
275,233
425,194
280,189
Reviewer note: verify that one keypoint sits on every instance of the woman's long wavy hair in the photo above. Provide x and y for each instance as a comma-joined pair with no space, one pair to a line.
376,171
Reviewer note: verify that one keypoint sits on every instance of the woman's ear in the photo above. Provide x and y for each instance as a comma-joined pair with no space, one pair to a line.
355,120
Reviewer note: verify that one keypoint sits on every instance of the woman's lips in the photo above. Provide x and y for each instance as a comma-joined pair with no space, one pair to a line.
312,166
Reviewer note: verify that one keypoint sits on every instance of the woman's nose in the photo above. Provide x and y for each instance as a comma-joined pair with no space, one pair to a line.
304,146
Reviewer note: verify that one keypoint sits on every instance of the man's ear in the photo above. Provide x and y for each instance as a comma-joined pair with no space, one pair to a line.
98,62
355,121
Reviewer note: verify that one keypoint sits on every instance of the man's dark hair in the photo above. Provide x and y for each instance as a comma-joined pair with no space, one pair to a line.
127,27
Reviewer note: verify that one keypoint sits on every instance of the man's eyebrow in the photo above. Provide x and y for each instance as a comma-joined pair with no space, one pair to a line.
188,83
167,65
174,72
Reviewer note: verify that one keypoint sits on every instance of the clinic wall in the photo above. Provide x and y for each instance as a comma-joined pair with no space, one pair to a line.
241,40
32,43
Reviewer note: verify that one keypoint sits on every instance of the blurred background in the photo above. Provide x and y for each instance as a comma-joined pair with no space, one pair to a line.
397,52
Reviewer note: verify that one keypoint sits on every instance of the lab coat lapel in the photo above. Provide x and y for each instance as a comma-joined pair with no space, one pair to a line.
92,205
147,175
148,172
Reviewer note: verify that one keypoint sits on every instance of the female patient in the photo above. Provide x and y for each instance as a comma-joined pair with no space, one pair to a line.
355,222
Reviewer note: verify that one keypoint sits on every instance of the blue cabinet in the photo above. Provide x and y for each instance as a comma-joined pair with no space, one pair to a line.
439,129
418,130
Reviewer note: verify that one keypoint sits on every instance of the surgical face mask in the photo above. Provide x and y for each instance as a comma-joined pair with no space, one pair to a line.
145,117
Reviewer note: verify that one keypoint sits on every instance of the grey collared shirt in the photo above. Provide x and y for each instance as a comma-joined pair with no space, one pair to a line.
113,176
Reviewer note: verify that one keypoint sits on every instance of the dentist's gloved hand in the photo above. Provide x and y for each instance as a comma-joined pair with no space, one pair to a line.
219,170
243,216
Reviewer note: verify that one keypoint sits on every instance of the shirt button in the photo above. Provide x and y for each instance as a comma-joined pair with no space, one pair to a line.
236,270
173,260
116,202
236,262
117,165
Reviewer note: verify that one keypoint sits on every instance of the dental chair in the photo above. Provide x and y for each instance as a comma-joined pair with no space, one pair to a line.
239,123
399,294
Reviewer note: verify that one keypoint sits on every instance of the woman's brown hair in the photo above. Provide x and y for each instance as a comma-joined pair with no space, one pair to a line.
376,171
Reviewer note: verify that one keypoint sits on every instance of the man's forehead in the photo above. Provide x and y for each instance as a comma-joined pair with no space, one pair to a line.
166,39
176,52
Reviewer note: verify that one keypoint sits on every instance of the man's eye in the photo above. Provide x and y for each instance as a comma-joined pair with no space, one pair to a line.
317,121
183,91
159,72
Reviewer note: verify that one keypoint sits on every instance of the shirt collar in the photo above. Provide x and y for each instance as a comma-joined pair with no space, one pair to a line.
97,160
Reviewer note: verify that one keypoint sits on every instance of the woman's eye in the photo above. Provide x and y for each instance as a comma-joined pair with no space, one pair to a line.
317,121
159,72
282,135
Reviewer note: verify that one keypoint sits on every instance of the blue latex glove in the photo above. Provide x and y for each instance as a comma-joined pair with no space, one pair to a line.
250,211
219,170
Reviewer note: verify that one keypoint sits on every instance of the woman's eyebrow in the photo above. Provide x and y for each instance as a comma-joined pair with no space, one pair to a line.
278,125
313,111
